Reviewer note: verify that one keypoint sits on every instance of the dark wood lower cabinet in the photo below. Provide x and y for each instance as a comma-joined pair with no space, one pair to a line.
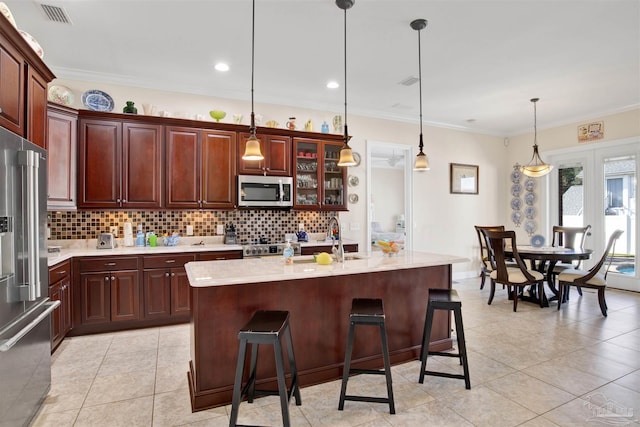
125,292
166,286
60,290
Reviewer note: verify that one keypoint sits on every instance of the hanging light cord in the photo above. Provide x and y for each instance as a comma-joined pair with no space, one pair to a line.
346,133
535,124
253,42
421,145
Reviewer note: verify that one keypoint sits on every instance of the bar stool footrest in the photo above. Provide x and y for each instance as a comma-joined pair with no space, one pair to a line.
445,354
367,371
367,399
444,374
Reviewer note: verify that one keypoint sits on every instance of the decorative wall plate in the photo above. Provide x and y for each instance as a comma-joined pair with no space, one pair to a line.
530,198
530,184
516,189
537,241
357,158
516,204
60,95
353,181
97,100
515,175
530,226
516,218
530,212
353,198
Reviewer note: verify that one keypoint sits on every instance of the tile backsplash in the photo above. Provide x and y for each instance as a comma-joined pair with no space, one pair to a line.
250,224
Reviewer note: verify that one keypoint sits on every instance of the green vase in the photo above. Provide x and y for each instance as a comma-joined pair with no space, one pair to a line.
129,108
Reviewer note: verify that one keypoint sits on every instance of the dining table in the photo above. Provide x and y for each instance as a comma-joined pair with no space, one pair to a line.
543,259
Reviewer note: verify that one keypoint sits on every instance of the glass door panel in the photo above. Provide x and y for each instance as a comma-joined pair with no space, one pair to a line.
571,200
306,174
619,207
333,177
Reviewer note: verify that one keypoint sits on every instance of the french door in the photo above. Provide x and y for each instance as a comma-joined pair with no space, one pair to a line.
597,184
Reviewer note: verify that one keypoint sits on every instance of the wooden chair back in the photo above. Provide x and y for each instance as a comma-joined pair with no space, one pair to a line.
497,241
570,237
485,253
607,258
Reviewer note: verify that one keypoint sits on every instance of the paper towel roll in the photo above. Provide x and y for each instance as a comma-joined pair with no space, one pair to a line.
128,234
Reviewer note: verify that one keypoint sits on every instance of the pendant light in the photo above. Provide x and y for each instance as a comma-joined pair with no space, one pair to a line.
252,147
536,167
422,162
346,155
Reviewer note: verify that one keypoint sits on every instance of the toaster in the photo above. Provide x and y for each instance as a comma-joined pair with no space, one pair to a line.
106,241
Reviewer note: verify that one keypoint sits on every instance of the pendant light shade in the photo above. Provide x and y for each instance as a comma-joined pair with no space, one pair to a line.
346,154
536,167
252,147
422,162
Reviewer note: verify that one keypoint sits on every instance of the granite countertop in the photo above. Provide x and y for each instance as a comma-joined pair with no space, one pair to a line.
80,248
273,269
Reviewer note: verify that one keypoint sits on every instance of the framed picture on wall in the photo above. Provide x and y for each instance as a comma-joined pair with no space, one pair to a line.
463,179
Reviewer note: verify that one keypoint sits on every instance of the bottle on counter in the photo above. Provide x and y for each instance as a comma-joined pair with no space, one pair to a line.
140,236
287,253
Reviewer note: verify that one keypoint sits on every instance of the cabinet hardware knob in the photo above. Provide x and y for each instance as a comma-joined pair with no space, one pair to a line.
118,200
106,279
173,274
113,278
0,110
166,274
110,263
169,261
62,272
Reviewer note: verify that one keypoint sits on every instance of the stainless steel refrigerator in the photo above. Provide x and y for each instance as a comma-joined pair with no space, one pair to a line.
25,326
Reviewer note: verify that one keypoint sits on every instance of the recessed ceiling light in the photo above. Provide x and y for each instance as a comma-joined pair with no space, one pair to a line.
221,66
333,84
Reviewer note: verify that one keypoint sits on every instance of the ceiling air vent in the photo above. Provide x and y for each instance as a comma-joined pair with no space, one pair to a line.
409,81
55,13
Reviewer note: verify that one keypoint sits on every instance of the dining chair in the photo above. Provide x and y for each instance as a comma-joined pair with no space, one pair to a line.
485,263
515,278
568,237
595,278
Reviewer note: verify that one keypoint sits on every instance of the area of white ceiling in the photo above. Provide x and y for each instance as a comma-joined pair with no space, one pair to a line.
482,60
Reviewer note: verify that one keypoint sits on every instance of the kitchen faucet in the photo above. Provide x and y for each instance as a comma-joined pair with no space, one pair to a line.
338,253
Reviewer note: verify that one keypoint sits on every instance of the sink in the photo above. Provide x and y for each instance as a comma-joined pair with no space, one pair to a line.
310,260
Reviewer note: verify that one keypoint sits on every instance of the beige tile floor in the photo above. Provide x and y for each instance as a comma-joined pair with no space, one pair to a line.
535,368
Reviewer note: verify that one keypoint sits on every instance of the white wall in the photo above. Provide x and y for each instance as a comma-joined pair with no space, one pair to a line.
387,196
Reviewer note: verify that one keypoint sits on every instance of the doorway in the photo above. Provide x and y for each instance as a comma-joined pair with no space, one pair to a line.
597,185
389,189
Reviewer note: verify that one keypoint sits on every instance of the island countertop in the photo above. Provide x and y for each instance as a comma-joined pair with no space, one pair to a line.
225,294
274,269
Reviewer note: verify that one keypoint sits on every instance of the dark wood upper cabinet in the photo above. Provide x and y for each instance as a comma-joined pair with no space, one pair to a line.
23,86
120,165
36,108
200,168
62,125
218,169
11,88
142,166
277,156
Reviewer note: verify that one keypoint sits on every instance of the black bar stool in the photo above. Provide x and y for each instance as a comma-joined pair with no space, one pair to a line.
367,312
265,327
444,299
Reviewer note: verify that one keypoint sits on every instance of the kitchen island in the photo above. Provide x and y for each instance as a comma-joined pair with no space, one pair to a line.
225,294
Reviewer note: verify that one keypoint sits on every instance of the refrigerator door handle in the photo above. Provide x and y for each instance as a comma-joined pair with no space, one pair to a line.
6,345
31,162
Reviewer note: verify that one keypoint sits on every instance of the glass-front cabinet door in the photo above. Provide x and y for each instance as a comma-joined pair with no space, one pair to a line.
333,177
319,181
306,174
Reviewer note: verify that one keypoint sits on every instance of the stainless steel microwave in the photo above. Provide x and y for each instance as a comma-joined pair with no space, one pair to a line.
265,191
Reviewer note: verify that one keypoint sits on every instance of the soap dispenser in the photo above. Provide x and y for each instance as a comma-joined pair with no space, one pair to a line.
287,253
140,240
